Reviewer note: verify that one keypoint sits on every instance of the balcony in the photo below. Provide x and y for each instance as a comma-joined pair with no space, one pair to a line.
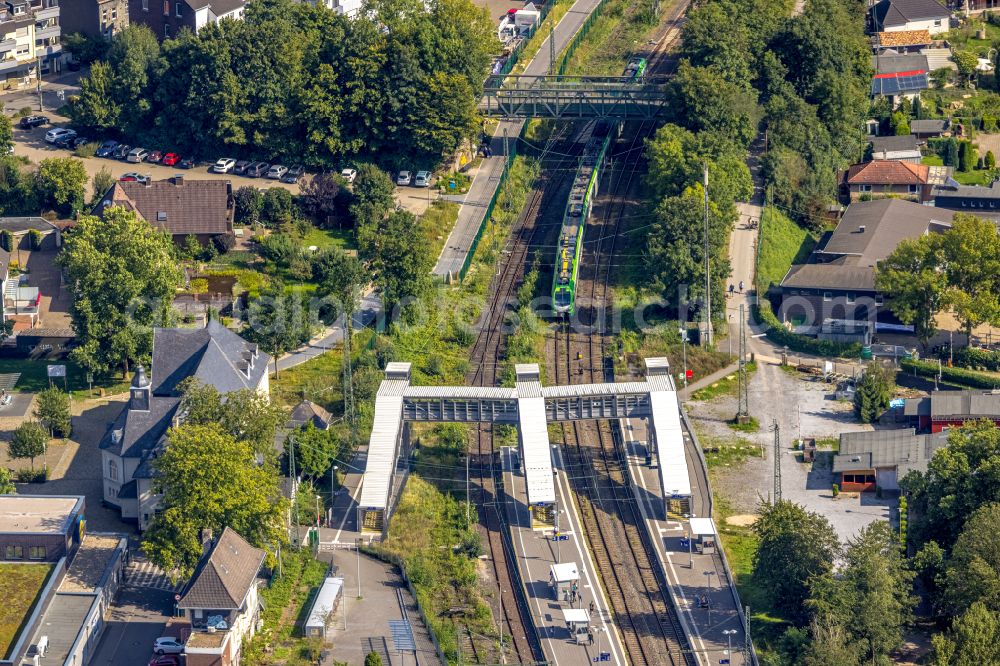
12,65
42,14
7,45
48,32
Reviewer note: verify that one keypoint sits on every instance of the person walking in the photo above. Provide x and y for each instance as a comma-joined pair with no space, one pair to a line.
731,288
741,286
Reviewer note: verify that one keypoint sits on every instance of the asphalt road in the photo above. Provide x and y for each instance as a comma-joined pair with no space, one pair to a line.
137,619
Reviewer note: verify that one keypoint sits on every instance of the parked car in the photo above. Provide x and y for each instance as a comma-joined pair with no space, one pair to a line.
165,660
423,179
31,122
170,159
168,645
54,135
70,142
293,174
257,169
186,163
277,171
106,148
155,157
349,175
404,178
121,151
224,165
134,177
241,166
137,155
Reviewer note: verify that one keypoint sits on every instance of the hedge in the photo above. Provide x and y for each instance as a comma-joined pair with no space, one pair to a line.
977,359
962,376
780,335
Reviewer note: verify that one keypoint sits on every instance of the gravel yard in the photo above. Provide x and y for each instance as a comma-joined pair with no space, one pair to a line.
802,407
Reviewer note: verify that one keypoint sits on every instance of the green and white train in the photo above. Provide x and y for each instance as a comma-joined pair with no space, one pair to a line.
581,200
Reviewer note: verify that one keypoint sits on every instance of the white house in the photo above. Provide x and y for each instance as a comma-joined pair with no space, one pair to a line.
213,355
907,15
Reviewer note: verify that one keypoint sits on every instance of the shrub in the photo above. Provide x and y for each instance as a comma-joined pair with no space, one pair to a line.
977,359
373,659
86,149
6,240
198,286
34,238
224,242
32,475
969,378
836,490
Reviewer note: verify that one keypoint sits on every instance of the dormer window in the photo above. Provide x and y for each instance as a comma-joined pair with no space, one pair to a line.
161,216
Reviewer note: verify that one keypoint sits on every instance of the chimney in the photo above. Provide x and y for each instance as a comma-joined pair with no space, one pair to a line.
861,229
178,180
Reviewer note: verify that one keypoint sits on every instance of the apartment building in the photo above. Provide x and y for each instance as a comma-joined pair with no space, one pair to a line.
29,42
95,18
166,18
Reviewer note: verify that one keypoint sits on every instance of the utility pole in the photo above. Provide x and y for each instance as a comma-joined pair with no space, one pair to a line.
468,498
777,462
708,274
747,644
38,80
349,412
743,410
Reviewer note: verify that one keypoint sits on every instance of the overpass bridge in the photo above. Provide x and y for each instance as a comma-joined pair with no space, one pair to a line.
574,97
530,407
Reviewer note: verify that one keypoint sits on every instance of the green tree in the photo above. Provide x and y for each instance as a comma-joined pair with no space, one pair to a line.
973,571
6,134
248,203
60,182
830,643
967,62
340,277
970,257
900,124
373,659
400,260
974,639
29,441
247,415
192,247
315,450
279,321
208,479
52,409
702,100
101,183
374,194
966,156
950,157
324,199
991,160
123,277
96,108
917,289
7,486
794,546
873,393
916,108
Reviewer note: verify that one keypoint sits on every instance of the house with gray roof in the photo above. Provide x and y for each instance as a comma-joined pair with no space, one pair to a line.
837,283
215,356
221,601
880,458
926,128
902,148
974,199
907,15
950,409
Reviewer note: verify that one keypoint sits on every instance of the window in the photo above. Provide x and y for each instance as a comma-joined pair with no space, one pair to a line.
879,299
114,14
937,24
866,188
913,189
177,8
112,492
850,298
161,216
145,5
166,8
827,295
14,553
166,30
36,553
113,470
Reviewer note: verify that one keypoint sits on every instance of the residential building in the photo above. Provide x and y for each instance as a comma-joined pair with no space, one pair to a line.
309,412
350,8
214,355
166,18
78,576
938,58
950,409
837,285
879,459
29,42
925,129
95,18
975,199
902,148
906,15
899,78
181,207
221,601
894,178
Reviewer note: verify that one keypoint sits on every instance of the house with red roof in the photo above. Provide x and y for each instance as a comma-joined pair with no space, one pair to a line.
894,178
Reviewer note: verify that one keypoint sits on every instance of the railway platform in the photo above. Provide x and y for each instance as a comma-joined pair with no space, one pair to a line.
537,550
698,581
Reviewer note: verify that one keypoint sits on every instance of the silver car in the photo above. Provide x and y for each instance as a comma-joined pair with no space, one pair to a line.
137,155
276,171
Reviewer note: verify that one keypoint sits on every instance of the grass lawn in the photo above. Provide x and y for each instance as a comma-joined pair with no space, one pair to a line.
34,377
20,585
974,177
437,222
782,243
323,239
728,385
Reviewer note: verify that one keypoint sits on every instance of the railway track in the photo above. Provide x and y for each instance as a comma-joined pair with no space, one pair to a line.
521,643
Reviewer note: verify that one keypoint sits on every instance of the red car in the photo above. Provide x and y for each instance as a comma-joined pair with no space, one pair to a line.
155,157
165,660
171,159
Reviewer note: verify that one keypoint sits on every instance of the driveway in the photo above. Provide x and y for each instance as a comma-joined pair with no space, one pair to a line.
138,617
